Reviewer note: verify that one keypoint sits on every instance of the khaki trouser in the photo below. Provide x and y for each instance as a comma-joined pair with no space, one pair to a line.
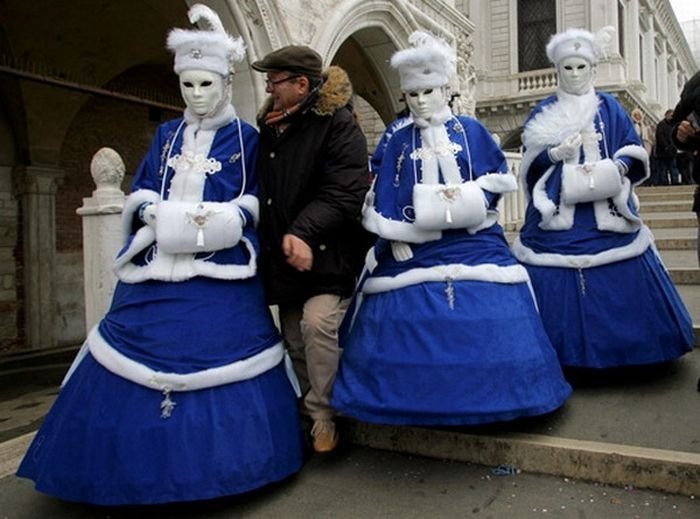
311,332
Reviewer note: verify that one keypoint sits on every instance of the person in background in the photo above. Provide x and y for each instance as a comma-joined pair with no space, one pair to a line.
686,135
443,328
666,153
604,294
180,393
313,175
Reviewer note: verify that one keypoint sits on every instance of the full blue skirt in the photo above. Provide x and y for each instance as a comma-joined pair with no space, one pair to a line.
104,440
620,314
408,358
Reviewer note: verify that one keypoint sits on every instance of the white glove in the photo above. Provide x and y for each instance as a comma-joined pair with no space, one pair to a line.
401,251
567,150
148,215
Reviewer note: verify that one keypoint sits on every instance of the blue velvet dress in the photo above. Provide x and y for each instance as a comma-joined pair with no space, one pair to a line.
113,438
450,336
605,296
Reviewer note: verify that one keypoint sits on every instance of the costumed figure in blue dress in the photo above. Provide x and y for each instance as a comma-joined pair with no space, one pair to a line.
443,328
181,392
605,297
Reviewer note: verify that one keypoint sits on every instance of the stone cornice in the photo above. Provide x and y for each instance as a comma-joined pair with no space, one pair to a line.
672,32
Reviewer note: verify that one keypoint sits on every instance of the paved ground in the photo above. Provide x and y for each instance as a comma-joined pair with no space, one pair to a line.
366,483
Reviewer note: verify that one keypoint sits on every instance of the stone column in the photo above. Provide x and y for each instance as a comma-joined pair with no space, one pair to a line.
632,32
650,59
672,83
662,75
102,234
36,187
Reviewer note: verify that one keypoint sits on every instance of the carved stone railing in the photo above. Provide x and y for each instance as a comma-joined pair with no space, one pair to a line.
512,205
102,236
537,81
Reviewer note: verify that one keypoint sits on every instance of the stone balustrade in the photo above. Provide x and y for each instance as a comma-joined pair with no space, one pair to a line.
537,81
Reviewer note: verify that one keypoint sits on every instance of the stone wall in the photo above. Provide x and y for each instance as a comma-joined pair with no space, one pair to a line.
8,266
372,125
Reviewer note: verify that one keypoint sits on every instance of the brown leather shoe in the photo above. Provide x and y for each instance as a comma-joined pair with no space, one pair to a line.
325,436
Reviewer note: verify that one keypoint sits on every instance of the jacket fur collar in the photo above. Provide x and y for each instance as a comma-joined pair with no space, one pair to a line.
335,93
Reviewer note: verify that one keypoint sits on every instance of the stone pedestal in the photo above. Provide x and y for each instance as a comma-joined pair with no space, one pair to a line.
102,233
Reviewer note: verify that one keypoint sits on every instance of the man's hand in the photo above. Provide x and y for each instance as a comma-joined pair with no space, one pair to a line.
685,130
299,254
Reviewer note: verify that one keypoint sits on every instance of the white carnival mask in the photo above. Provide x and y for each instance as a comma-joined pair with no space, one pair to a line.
202,91
424,104
575,75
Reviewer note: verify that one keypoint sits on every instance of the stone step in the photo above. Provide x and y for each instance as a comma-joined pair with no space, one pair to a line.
670,220
676,244
615,464
664,190
664,197
666,206
679,259
685,276
682,233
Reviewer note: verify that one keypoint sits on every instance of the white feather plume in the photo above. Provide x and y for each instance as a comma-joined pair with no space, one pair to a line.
202,12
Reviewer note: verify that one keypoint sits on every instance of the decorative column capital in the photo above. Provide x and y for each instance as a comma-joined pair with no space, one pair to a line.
37,180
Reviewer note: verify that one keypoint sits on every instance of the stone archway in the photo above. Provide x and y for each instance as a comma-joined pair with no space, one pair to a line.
360,55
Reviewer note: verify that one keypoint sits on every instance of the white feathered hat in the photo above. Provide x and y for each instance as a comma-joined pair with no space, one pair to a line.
580,43
211,49
430,63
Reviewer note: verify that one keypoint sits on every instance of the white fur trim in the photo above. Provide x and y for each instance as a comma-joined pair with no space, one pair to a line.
192,227
627,221
121,365
636,152
511,274
449,206
131,206
394,229
590,182
429,63
559,120
640,244
498,182
551,219
491,219
371,260
144,238
251,204
580,43
180,267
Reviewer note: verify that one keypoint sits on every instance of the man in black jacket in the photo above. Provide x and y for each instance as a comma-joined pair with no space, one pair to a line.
666,152
312,168
686,134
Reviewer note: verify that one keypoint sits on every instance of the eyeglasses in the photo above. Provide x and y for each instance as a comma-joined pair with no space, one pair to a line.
270,83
